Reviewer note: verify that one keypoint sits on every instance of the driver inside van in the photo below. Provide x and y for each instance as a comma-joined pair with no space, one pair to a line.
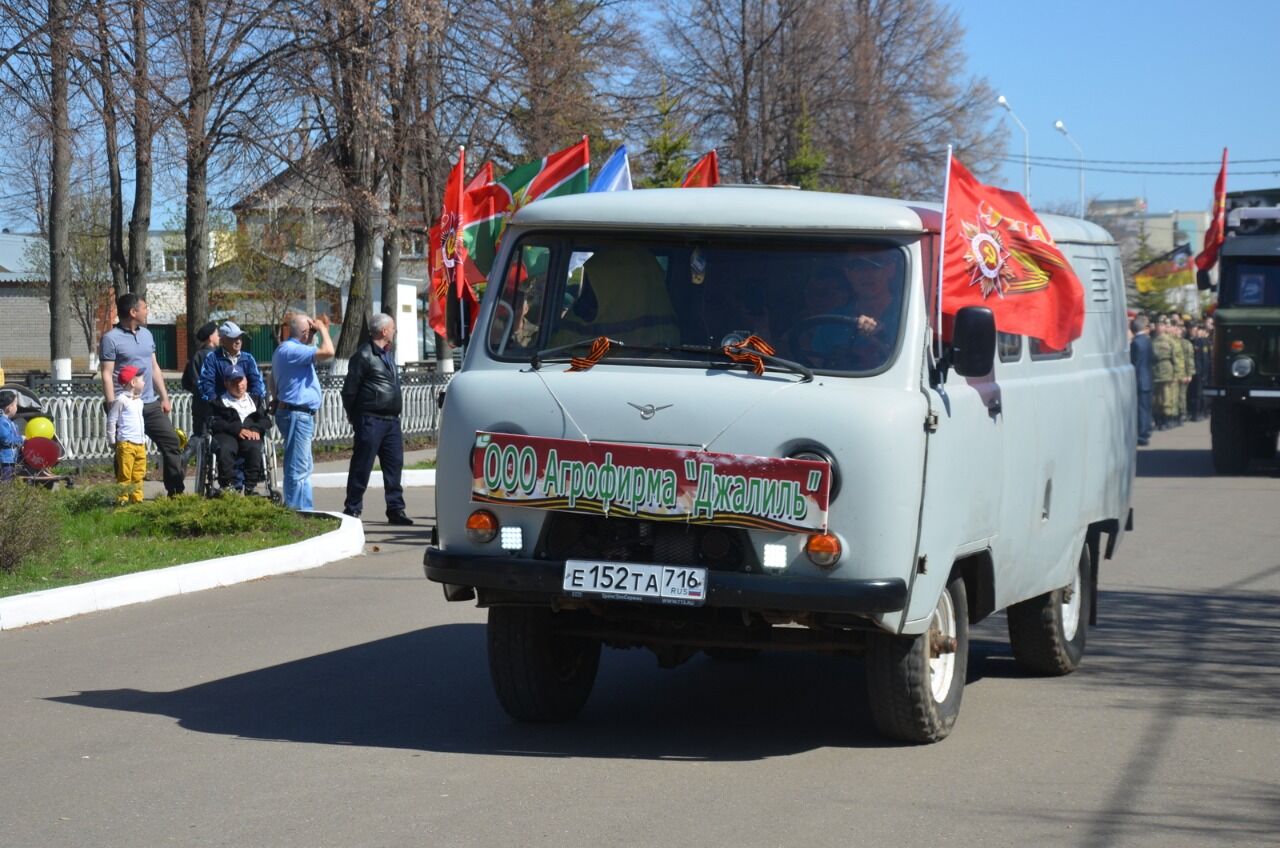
850,315
631,301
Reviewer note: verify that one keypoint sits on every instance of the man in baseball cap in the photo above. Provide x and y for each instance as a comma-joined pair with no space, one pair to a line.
230,353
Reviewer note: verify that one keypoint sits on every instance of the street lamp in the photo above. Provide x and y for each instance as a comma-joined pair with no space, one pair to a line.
1026,148
1062,128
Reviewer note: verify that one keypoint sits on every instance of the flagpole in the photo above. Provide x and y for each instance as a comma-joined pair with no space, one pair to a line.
463,324
942,252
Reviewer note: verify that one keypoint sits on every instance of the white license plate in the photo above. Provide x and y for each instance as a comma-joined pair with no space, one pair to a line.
629,581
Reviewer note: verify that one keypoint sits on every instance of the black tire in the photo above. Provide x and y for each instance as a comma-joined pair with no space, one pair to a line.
900,677
1231,440
204,467
1039,629
539,674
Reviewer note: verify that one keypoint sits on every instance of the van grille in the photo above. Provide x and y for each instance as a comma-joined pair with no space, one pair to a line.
572,536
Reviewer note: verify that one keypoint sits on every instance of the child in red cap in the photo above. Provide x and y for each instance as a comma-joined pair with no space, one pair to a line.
125,430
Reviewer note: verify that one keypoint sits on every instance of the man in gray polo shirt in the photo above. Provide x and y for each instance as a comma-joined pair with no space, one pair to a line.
130,343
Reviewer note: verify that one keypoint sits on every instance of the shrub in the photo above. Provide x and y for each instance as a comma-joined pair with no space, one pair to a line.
191,515
28,523
82,499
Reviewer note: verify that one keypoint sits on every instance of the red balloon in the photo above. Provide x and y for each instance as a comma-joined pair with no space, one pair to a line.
40,454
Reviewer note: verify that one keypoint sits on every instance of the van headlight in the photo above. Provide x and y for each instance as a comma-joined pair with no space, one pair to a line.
1241,366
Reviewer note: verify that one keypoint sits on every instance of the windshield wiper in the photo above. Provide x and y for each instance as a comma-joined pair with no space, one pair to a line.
710,351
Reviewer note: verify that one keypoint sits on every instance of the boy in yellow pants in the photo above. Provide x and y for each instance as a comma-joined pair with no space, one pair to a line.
125,430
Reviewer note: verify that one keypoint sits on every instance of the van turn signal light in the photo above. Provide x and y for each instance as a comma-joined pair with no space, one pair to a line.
823,550
1237,346
482,526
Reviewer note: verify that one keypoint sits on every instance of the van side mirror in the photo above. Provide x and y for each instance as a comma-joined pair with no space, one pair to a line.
973,341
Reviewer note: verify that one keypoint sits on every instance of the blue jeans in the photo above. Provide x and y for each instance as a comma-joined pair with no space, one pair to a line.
376,438
298,428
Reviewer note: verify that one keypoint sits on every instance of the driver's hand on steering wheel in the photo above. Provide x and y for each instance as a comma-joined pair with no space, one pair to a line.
867,324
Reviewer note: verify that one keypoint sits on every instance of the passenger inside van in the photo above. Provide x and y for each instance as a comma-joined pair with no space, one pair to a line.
624,297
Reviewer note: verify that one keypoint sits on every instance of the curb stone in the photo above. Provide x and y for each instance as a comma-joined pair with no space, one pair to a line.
408,477
67,601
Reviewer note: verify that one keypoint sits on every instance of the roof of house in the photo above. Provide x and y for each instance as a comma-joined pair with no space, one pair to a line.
16,263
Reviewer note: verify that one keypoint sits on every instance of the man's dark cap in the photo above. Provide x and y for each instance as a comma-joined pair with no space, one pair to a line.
203,334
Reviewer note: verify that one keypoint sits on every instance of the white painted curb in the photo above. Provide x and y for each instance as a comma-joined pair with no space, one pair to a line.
67,601
409,477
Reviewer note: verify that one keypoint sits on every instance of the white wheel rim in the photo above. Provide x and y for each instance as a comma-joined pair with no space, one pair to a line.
1071,610
942,666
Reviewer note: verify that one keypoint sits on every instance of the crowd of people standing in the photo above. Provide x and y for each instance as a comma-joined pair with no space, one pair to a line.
1171,358
233,403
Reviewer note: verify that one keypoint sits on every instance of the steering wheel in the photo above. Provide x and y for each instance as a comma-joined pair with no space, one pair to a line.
804,329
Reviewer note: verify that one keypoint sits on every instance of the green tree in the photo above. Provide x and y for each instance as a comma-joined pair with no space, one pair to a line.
805,163
668,150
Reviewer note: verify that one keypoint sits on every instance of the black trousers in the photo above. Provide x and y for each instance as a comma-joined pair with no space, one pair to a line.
160,430
1144,415
228,447
380,438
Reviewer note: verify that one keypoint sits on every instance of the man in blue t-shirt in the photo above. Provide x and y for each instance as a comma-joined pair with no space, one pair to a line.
130,343
296,387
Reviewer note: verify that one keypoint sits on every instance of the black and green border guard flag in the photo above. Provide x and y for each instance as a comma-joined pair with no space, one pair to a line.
1170,271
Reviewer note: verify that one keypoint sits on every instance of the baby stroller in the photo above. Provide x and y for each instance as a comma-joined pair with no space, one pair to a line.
38,456
207,460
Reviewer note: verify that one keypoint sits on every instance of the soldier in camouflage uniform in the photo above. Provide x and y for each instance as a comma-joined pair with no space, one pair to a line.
1189,357
1174,411
1162,372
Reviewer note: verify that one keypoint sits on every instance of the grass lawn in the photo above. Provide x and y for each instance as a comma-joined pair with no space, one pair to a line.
78,535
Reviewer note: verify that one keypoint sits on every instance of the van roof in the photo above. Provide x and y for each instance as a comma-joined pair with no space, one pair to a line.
764,208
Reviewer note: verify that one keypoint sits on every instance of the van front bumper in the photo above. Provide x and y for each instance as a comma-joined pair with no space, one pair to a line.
541,580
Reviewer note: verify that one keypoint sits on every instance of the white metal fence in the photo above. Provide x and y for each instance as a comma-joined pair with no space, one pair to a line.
81,423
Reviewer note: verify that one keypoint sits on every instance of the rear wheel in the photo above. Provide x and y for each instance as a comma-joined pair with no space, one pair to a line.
916,682
539,674
1048,632
1231,438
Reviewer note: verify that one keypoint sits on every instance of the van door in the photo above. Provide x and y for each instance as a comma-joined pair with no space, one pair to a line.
963,480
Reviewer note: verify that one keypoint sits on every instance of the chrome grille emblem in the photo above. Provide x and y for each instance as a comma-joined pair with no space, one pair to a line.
648,410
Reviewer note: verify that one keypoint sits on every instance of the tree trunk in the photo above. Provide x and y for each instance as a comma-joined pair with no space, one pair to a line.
59,194
140,220
196,231
115,233
356,320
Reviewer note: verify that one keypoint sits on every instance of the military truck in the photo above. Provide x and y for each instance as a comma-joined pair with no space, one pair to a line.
1244,383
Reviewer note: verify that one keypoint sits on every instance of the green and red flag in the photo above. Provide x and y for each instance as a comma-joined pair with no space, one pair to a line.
563,172
996,253
704,173
1217,232
1170,271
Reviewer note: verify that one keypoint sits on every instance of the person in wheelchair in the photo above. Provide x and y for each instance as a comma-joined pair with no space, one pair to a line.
238,424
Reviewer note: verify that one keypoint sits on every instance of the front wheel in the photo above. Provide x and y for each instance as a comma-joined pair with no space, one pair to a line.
1048,632
915,683
1230,438
539,673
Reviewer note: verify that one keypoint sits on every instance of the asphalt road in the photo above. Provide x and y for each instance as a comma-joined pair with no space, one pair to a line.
351,706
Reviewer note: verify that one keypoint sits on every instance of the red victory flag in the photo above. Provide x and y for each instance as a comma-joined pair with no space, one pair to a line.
448,252
1217,232
997,254
704,174
483,177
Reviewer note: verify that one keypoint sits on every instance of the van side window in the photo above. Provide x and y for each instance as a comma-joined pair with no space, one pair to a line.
1009,346
515,325
1040,352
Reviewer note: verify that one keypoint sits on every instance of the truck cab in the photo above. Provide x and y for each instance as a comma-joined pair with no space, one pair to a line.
1244,383
721,420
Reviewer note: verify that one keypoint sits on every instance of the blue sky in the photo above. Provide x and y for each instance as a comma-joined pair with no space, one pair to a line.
1174,80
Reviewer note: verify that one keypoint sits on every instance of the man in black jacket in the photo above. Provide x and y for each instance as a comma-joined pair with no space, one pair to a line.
371,397
200,409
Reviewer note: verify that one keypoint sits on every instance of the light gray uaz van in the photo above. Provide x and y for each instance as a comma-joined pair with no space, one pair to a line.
719,421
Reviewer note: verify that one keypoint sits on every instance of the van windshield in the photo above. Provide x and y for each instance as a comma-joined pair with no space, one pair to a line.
830,307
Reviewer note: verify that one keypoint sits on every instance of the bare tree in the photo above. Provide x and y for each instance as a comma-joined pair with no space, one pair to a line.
59,35
143,140
97,55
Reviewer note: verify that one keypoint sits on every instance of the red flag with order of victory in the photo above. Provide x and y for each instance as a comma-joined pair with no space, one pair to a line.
997,254
704,174
448,252
1217,232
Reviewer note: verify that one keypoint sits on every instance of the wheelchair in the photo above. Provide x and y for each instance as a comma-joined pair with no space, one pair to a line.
206,482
